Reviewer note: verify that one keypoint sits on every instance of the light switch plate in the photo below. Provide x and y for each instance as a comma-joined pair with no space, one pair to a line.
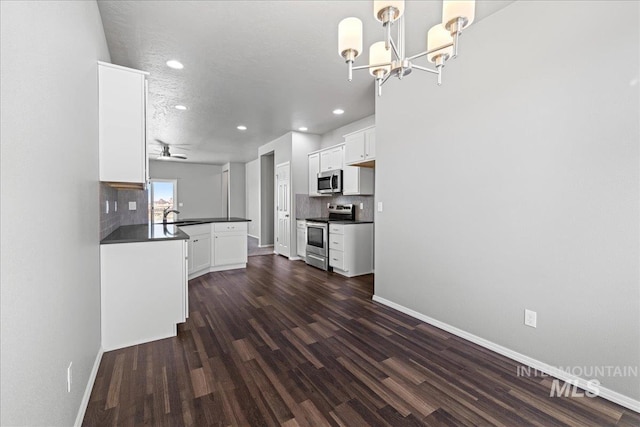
379,206
115,206
106,208
530,318
361,206
132,206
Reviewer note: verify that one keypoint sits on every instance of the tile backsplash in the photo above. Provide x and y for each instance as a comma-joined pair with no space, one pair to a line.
310,207
109,222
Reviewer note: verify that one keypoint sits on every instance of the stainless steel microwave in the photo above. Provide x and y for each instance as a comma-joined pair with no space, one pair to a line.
330,182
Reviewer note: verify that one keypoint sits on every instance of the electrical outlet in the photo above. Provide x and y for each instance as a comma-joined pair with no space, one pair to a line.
132,206
328,205
361,206
106,207
69,376
530,318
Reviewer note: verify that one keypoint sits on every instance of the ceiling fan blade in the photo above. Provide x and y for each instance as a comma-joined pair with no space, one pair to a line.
179,156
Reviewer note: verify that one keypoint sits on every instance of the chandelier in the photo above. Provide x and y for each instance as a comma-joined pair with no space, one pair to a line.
387,58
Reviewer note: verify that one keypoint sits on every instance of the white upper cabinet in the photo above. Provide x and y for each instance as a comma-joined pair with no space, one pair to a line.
314,168
357,181
122,97
360,147
332,159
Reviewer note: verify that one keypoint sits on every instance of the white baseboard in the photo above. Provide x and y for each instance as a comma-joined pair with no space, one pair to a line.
251,235
604,392
87,391
266,246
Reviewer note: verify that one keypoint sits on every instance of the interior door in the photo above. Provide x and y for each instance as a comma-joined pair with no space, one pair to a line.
283,209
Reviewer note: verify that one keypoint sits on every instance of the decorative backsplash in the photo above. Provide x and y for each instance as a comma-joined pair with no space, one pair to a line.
310,207
109,222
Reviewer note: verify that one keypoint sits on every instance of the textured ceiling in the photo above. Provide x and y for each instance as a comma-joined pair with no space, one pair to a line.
272,66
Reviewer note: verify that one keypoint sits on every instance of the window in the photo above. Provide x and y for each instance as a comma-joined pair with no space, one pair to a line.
162,196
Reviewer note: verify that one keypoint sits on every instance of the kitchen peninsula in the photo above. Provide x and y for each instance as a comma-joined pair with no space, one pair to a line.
145,270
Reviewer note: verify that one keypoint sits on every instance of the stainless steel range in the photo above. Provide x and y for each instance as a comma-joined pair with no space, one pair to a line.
318,234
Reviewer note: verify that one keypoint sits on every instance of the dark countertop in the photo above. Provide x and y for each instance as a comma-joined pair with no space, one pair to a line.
196,221
145,233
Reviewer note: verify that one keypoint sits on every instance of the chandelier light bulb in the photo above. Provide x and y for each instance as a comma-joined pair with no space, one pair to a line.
378,54
436,37
454,9
350,37
381,6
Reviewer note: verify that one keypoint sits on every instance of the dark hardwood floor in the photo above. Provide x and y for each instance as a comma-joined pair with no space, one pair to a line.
281,343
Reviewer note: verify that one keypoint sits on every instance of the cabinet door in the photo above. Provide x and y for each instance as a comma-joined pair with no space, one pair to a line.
325,161
354,148
370,145
121,106
314,168
337,158
230,248
351,180
302,242
200,256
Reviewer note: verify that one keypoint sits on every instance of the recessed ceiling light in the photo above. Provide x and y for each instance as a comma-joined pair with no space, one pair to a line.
180,107
242,127
176,65
303,129
338,111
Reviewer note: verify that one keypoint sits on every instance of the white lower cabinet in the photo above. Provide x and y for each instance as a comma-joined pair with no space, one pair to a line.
351,248
199,248
216,246
301,227
228,246
143,291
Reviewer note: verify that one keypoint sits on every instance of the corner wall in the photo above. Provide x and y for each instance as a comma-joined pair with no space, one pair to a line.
516,185
50,294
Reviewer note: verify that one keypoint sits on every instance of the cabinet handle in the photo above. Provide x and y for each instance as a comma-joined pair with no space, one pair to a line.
335,259
195,241
361,155
335,243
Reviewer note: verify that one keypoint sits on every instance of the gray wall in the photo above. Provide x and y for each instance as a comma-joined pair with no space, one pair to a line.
50,295
515,185
199,187
252,190
336,136
267,194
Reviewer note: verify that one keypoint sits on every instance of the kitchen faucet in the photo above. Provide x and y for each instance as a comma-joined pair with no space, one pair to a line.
166,212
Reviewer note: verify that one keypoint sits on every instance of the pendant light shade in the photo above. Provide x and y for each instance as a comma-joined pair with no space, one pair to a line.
454,9
350,36
380,6
378,54
436,37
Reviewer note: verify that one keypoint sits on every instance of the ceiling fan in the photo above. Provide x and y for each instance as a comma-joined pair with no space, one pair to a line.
165,154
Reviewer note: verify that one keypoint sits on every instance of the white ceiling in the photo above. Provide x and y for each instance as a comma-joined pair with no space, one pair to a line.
272,66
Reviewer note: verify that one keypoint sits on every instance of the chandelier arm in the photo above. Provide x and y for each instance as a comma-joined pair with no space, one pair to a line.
384,80
395,50
428,70
426,52
366,67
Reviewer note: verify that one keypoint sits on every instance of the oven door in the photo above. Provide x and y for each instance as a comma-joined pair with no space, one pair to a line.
317,238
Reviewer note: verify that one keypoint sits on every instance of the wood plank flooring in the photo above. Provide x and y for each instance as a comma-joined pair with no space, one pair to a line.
283,344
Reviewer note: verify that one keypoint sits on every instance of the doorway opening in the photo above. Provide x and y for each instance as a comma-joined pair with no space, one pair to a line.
163,195
267,200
